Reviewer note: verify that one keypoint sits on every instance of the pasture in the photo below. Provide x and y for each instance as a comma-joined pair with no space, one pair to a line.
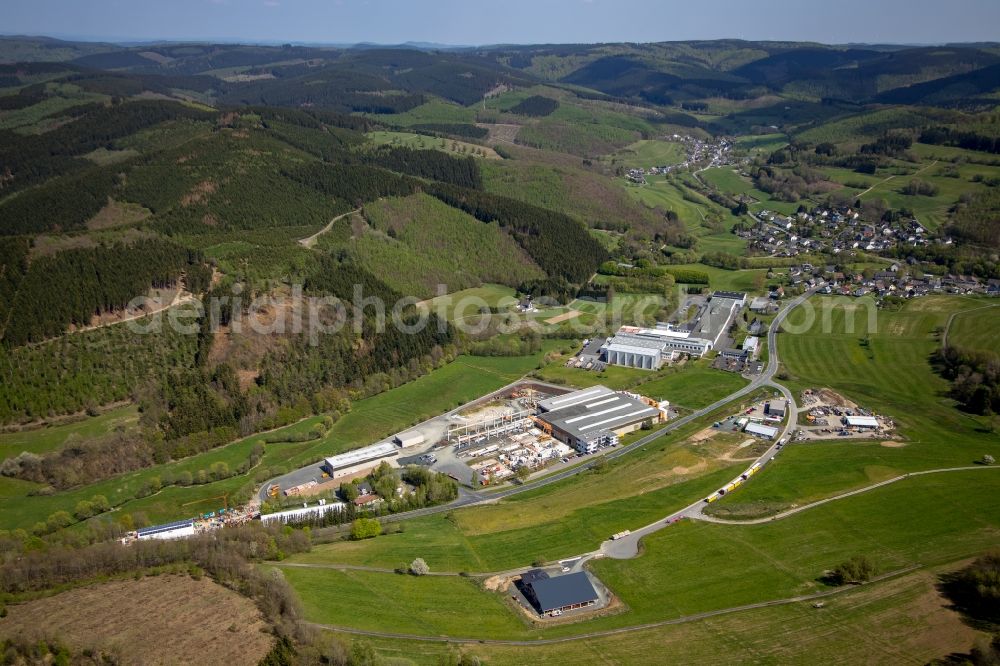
51,438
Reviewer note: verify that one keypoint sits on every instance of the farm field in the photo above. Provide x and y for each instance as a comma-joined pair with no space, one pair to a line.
906,524
168,618
51,438
430,605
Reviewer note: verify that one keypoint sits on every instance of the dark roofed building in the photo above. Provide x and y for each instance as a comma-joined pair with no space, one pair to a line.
561,593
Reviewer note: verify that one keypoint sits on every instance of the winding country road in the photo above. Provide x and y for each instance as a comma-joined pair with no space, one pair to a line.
310,241
628,547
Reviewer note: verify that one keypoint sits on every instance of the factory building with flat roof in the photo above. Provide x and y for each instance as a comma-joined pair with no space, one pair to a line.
649,348
358,460
757,430
584,419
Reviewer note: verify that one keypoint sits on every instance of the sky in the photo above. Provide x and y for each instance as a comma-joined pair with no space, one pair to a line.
476,22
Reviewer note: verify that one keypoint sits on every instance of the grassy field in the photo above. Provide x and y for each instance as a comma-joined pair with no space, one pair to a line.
693,386
431,605
730,182
891,375
697,567
434,111
565,519
721,278
976,329
43,440
648,153
899,621
420,141
466,302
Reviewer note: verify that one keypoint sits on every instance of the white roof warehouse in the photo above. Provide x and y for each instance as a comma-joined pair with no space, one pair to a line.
354,461
862,421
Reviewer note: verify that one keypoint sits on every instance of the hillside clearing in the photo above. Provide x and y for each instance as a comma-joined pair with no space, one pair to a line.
166,619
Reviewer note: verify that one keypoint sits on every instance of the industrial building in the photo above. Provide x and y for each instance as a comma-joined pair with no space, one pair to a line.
409,438
775,408
757,430
738,296
558,594
635,350
861,422
176,530
359,460
594,417
649,348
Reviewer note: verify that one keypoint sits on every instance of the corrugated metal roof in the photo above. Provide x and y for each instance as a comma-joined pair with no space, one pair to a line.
592,409
165,527
562,591
357,456
762,430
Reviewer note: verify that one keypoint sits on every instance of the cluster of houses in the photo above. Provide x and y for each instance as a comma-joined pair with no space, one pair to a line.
704,154
893,281
833,231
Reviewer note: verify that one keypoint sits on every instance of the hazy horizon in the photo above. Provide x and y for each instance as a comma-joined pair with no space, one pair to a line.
457,23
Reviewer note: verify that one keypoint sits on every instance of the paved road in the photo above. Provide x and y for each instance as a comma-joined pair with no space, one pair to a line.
628,547
850,493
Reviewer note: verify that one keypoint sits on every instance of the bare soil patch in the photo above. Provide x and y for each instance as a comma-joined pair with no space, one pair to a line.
890,444
502,132
566,316
701,436
199,193
117,214
829,397
170,619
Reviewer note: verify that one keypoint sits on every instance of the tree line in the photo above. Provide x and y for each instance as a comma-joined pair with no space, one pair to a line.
946,136
974,377
535,106
559,244
72,286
